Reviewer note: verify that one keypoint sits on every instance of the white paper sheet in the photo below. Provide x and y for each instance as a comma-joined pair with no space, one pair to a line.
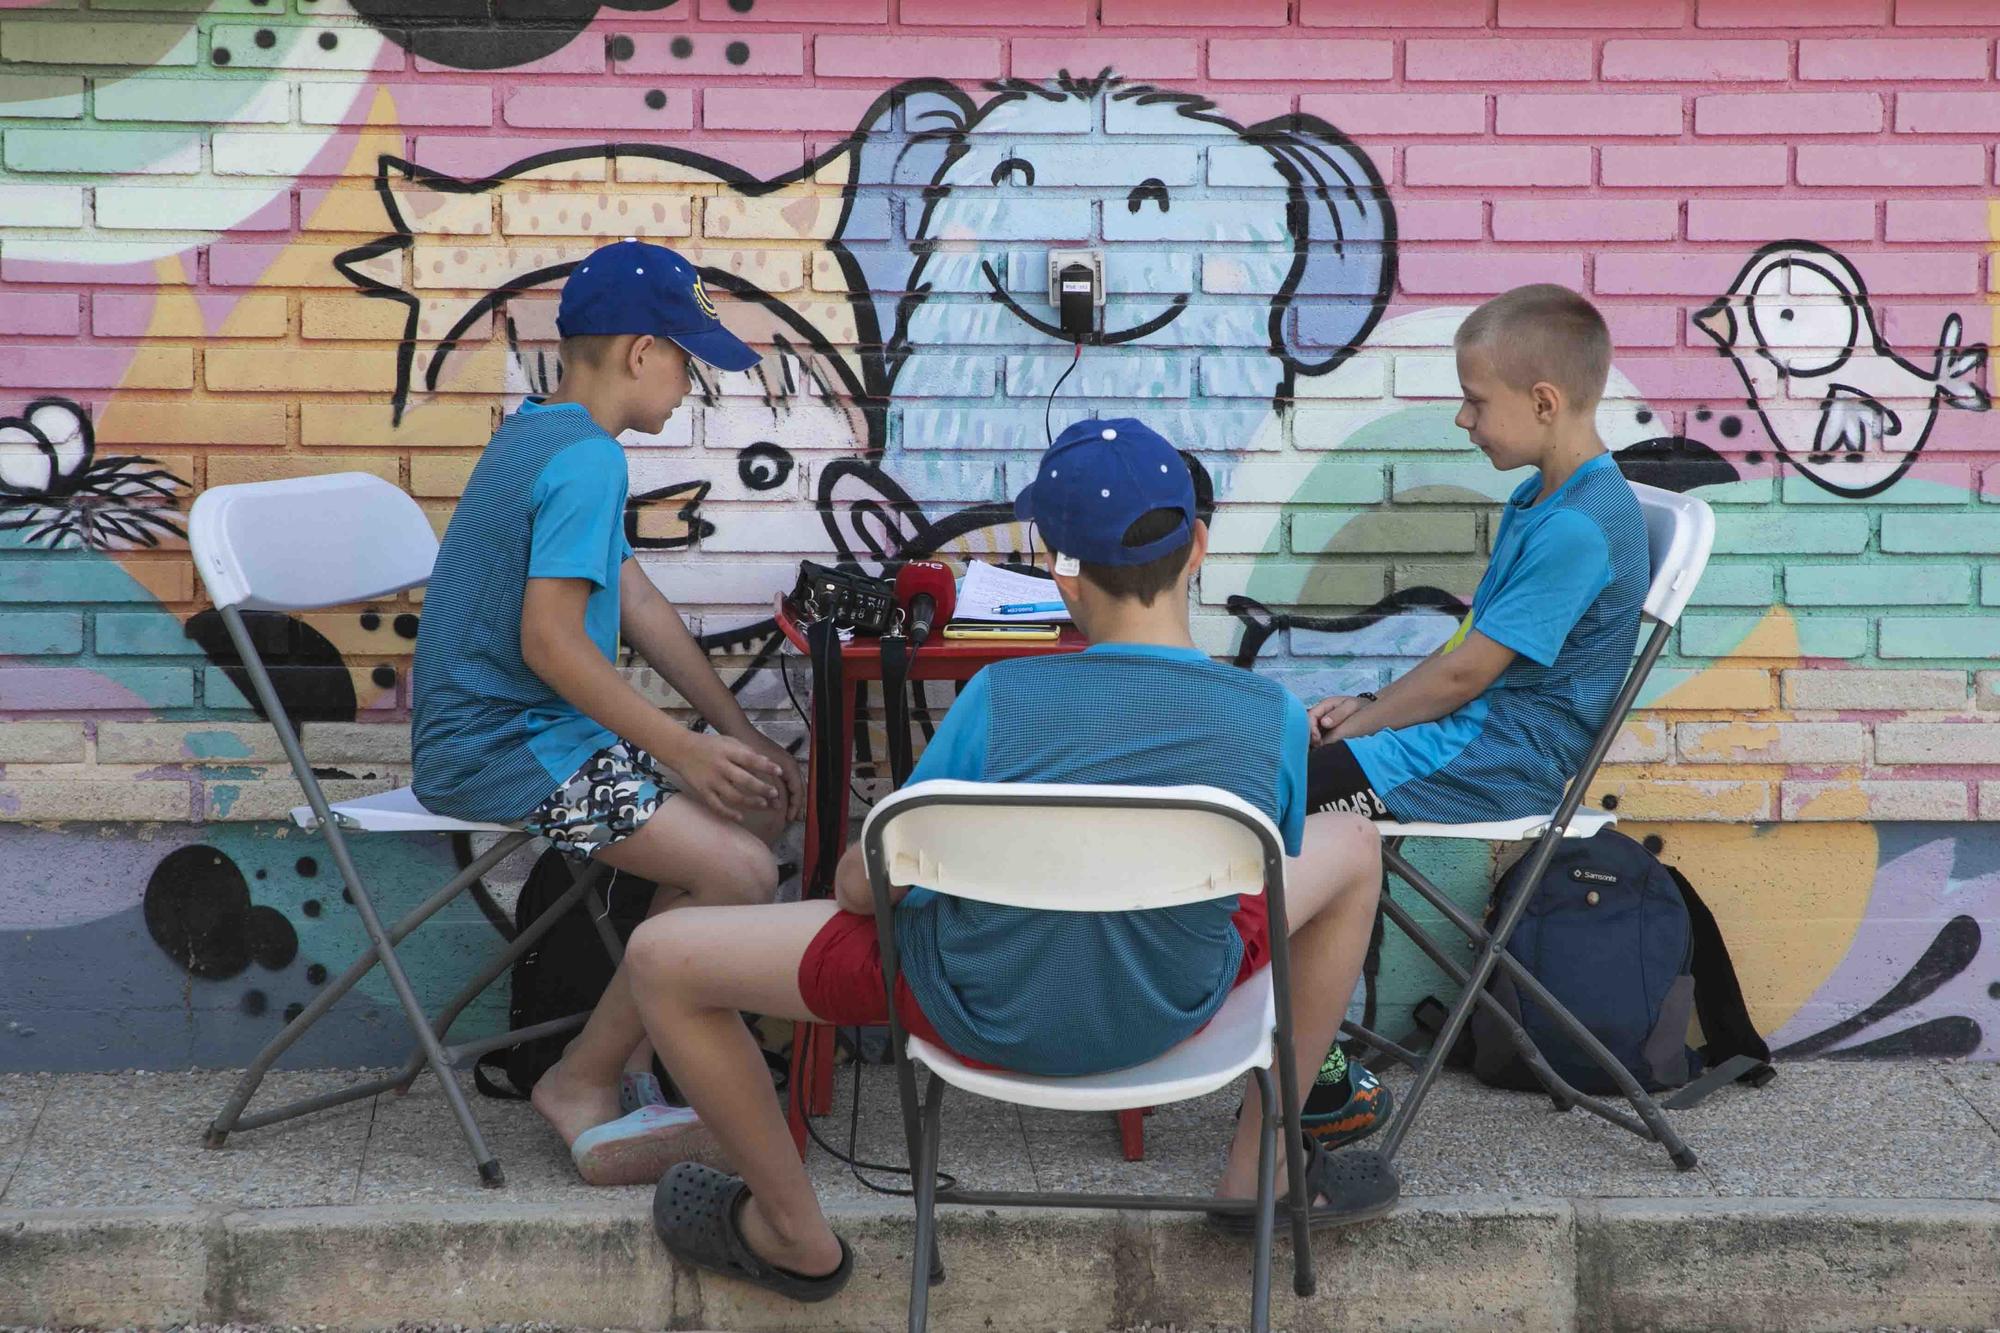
986,588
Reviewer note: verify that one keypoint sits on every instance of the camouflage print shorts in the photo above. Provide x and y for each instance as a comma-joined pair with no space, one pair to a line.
608,800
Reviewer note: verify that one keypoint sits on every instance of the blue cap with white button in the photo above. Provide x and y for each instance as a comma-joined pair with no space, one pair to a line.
633,286
1097,480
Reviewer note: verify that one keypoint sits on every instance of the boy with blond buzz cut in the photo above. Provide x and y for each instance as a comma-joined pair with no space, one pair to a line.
1492,724
519,713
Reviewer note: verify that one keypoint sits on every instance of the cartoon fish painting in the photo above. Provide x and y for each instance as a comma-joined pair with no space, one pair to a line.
1840,404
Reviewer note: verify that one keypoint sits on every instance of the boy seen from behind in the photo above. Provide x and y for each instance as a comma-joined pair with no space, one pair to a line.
1041,992
520,715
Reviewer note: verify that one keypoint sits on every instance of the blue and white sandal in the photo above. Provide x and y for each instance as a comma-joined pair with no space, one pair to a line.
638,1148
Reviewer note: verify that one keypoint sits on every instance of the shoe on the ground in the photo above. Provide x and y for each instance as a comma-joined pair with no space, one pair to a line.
1365,1110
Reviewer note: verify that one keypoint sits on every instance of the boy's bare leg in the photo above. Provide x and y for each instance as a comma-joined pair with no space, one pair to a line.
696,856
766,826
1330,894
692,973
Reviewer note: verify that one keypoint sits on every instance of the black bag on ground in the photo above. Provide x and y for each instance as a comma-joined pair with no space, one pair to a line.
1628,947
565,973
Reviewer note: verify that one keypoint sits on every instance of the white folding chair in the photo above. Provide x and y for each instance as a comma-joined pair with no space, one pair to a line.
1680,530
311,543
1101,849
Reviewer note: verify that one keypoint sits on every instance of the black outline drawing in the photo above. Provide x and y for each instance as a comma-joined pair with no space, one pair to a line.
1850,416
123,496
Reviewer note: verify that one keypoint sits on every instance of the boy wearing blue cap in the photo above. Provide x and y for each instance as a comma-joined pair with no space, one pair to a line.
1039,992
519,714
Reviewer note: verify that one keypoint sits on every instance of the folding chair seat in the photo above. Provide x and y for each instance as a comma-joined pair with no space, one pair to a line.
1116,849
307,544
1680,530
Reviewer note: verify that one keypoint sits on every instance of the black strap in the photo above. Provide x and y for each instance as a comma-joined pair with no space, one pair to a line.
1747,1068
896,657
481,1079
1718,996
829,796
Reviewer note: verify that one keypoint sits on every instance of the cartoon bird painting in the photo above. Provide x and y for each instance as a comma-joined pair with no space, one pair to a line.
1841,406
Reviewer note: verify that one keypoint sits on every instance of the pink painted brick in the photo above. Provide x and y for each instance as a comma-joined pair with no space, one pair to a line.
1394,13
410,103
1761,219
1587,14
1194,13
584,55
1934,273
1491,60
1134,57
1698,166
1018,13
797,109
900,56
1644,326
1420,220
129,315
1892,164
1789,13
542,106
1913,329
1789,113
1948,113
1397,113
42,314
1546,164
1593,115
1693,60
797,11
471,156
1940,220
1666,275
1704,379
1482,273
776,53
1292,58
1884,58
59,367
1586,220
1944,13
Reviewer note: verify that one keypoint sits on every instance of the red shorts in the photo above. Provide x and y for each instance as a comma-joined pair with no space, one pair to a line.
840,974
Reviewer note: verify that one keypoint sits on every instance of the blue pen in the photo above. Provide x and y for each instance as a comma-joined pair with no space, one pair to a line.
1028,608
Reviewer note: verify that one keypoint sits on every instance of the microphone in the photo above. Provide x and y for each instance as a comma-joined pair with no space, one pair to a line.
927,593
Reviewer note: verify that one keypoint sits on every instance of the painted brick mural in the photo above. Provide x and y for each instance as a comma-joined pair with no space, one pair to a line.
263,238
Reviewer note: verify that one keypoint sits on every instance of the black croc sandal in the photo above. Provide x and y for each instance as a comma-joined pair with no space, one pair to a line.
695,1211
1359,1186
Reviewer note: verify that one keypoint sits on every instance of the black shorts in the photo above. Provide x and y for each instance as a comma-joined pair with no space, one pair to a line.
1334,781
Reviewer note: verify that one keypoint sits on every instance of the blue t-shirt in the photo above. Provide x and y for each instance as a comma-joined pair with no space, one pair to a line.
1563,590
1043,992
546,500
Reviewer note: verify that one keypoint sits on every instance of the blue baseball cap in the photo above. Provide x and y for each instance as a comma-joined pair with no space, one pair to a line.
1097,480
634,286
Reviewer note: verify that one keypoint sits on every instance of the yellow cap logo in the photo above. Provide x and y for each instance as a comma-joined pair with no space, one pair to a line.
701,299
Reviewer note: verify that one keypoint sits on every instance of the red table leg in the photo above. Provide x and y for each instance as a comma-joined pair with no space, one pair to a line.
1132,1135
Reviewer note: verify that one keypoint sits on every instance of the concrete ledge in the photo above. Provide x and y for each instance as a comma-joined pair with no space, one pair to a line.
1462,1263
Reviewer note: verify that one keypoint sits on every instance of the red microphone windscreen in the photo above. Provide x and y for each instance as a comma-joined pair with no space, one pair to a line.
928,576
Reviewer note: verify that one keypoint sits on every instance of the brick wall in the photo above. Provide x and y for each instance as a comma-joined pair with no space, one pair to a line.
285,237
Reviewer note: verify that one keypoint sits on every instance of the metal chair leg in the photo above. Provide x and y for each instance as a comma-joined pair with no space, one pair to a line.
1267,1202
231,1117
925,1267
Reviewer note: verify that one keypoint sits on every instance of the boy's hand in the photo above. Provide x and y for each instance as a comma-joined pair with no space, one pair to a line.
730,776
790,775
1326,716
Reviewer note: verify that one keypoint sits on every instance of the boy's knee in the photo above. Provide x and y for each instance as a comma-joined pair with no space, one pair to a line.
650,954
746,874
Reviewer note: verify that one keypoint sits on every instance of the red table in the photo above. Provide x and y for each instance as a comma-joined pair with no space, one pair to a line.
861,660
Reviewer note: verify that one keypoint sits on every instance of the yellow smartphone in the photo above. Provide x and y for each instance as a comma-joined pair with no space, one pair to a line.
973,629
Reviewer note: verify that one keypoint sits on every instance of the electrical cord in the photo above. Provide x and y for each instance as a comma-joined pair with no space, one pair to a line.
1050,405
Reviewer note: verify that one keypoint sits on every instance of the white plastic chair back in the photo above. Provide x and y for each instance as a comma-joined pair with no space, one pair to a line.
1680,531
1069,847
309,542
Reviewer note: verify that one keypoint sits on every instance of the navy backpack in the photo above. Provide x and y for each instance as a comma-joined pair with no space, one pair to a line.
1629,948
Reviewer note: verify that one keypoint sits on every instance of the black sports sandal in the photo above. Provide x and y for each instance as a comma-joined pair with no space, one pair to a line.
695,1212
